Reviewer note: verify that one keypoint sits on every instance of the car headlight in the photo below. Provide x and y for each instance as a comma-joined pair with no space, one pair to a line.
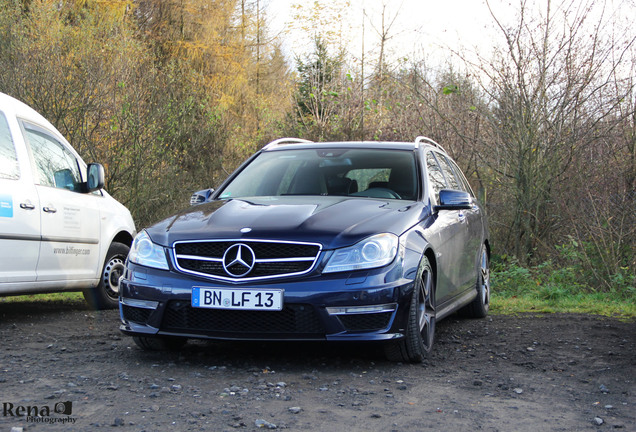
146,253
375,251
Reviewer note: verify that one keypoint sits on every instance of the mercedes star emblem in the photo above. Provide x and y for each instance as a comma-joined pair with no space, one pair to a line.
238,260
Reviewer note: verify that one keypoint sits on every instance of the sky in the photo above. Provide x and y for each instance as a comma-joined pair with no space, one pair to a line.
427,29
419,26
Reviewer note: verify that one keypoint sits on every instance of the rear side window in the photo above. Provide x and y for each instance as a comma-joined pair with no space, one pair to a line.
54,164
461,178
9,168
435,176
453,183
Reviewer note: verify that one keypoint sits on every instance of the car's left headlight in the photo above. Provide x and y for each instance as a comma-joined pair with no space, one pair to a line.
375,251
147,253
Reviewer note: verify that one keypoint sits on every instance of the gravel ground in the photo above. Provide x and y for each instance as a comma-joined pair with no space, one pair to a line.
557,372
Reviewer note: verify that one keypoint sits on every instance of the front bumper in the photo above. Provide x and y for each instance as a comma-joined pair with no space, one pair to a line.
367,305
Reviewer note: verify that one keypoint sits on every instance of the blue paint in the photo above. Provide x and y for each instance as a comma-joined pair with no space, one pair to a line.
195,297
6,206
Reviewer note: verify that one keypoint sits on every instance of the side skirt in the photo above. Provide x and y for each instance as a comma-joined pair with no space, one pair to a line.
455,304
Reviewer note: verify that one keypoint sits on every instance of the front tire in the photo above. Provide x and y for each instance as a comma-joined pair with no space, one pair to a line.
106,294
420,329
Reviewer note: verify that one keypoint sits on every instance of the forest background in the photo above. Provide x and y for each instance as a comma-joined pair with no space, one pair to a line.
172,95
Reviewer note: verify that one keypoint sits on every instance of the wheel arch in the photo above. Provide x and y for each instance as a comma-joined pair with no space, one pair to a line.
123,237
486,243
430,254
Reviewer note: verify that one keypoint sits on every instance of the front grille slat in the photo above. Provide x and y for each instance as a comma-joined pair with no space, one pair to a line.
366,322
138,315
282,268
294,319
261,259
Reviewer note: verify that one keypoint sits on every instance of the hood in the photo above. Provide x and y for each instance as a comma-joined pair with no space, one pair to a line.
332,221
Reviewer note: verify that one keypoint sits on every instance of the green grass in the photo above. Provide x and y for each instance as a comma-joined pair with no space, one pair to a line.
547,288
595,304
63,297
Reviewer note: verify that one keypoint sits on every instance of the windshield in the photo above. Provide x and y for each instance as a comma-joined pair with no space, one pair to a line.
343,172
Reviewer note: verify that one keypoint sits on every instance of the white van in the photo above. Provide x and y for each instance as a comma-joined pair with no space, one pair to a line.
59,229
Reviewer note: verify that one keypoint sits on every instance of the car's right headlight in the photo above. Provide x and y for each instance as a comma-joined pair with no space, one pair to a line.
146,253
375,251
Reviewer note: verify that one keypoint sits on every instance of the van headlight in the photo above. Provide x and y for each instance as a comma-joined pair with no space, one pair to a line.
146,253
375,251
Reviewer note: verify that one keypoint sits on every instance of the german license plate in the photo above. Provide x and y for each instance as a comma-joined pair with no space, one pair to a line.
239,299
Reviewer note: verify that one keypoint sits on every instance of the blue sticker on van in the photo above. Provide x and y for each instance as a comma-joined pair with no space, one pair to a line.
6,206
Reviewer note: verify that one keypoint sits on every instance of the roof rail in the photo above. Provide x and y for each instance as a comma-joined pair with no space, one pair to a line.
425,140
283,141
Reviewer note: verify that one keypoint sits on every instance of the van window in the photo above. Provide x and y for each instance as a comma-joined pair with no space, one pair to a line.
55,165
9,168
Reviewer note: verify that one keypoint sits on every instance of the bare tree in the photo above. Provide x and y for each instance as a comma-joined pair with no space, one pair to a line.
550,93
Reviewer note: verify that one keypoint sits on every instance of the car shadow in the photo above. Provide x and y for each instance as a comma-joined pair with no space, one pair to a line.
289,355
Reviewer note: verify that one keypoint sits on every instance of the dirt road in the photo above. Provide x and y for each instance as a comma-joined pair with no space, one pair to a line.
74,369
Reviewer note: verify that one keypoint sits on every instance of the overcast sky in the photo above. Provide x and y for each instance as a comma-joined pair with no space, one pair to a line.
420,25
429,28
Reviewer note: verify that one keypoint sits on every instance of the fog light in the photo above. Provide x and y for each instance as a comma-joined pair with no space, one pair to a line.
390,307
144,304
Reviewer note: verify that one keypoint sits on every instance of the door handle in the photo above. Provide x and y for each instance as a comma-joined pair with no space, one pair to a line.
50,209
27,206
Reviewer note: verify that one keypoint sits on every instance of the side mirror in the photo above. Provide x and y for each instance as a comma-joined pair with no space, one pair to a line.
95,177
454,200
201,196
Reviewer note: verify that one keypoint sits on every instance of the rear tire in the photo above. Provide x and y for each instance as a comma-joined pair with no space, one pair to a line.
166,343
420,329
106,294
478,308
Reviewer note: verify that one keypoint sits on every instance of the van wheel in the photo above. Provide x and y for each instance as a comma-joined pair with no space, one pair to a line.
106,294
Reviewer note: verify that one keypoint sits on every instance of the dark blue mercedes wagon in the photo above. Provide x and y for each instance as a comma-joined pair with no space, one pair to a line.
335,241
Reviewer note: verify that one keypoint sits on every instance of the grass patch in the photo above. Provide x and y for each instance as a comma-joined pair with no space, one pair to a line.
596,304
64,297
547,288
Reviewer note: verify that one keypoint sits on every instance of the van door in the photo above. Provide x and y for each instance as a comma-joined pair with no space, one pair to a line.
19,215
70,218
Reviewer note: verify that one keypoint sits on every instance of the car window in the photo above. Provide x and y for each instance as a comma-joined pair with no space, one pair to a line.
449,174
435,176
273,176
462,179
54,164
9,168
369,177
343,172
